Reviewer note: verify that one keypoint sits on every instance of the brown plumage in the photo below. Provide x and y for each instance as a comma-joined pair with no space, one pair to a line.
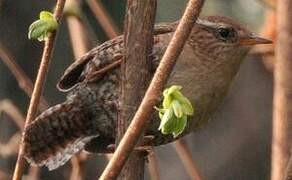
207,65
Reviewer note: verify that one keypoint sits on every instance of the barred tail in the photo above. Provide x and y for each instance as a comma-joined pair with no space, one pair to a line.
57,134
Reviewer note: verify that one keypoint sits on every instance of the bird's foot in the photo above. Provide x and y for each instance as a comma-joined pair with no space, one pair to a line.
145,147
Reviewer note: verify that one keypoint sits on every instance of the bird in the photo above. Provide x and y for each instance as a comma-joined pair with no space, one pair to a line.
205,69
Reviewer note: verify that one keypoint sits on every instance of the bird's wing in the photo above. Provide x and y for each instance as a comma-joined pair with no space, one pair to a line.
100,57
73,74
162,28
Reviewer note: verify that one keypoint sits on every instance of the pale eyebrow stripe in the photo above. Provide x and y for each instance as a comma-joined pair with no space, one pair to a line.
206,23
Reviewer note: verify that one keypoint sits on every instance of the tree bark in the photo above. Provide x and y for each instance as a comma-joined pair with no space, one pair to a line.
282,118
135,73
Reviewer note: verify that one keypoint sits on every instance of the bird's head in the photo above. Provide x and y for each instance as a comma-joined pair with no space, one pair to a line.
222,39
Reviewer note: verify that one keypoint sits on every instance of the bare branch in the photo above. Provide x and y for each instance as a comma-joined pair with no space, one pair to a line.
8,107
33,173
23,80
38,87
153,166
268,30
3,175
288,173
161,75
186,157
77,29
282,110
103,18
268,4
10,148
78,166
75,35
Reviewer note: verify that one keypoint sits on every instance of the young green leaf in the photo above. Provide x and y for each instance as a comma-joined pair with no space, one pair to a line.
179,126
41,28
166,103
46,15
37,29
185,103
160,111
177,108
172,89
166,117
169,126
160,115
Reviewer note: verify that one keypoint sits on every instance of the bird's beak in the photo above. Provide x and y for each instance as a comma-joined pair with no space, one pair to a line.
253,40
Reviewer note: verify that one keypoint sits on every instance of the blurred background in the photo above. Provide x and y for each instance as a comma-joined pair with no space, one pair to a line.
235,144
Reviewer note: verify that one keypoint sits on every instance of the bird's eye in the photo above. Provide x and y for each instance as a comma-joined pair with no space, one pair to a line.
225,32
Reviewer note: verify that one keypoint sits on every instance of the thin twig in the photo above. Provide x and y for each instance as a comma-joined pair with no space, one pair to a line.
77,29
23,80
78,162
103,18
282,105
75,35
288,172
186,157
3,175
153,166
268,30
10,148
161,75
267,3
267,51
8,107
33,173
38,87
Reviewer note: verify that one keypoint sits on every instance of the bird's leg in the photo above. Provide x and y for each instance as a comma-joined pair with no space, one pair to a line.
145,147
148,140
